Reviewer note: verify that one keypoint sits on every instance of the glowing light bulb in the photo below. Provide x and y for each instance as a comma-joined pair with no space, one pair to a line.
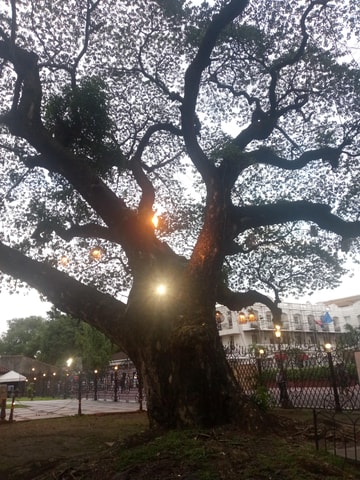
155,220
161,289
96,253
64,261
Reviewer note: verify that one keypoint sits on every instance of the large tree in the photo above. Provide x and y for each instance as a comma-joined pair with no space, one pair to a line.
237,122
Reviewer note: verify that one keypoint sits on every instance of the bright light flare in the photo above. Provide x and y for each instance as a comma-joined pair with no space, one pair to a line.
155,220
161,289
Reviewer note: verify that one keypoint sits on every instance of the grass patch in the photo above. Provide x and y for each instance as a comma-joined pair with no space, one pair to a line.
96,447
180,448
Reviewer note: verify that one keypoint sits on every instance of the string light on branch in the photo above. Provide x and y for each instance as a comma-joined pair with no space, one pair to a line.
64,261
96,253
161,289
155,220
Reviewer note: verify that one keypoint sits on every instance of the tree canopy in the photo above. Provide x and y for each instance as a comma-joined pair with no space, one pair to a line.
236,121
55,339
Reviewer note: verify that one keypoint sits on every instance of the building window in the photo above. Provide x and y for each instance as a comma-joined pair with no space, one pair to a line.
337,324
285,320
268,318
229,319
219,319
311,322
297,321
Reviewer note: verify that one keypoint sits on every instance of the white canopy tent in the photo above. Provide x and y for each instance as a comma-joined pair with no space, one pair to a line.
12,377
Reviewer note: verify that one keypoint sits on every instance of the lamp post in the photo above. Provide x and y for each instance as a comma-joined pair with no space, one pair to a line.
116,383
259,356
281,377
328,347
69,362
79,393
95,384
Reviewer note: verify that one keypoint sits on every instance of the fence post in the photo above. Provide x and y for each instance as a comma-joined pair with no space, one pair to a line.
316,429
333,379
79,393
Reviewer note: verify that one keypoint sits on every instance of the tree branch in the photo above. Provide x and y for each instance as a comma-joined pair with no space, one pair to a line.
72,297
327,154
192,85
237,301
262,215
147,188
90,230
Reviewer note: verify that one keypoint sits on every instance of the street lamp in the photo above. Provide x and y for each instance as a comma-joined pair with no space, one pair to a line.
95,384
281,378
115,383
260,352
278,333
328,348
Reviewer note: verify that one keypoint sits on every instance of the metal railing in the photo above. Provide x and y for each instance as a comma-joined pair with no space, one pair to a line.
337,433
298,377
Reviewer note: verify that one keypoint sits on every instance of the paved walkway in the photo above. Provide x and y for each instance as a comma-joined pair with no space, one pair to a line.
36,409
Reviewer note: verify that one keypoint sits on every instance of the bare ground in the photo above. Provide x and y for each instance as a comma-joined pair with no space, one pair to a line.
120,447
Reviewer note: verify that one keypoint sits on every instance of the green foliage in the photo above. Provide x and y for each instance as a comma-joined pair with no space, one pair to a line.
23,337
171,8
261,396
350,338
95,348
30,391
55,340
79,119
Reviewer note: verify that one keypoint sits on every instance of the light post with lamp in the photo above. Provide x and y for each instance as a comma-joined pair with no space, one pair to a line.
79,369
259,356
116,383
69,362
95,384
281,377
328,348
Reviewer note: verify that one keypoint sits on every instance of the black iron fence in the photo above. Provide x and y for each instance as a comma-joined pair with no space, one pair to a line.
337,433
299,377
276,375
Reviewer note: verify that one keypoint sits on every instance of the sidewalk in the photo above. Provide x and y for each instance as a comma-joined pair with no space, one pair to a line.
37,409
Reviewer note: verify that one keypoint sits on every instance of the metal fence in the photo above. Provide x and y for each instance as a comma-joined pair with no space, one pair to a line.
299,377
275,376
337,433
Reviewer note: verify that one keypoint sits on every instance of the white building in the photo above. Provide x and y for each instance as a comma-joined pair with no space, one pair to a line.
302,324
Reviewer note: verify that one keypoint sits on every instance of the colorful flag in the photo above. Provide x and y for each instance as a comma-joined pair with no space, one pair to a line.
326,318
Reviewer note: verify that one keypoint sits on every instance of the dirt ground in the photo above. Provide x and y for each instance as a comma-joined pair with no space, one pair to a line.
120,447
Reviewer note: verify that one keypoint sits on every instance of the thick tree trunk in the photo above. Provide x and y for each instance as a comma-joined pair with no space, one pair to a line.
187,380
188,384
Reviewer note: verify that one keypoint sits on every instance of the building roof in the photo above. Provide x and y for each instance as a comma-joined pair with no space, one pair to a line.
343,302
25,365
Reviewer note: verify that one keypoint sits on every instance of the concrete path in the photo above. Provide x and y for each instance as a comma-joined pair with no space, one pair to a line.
36,409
